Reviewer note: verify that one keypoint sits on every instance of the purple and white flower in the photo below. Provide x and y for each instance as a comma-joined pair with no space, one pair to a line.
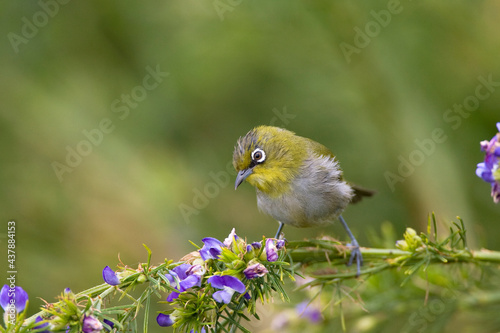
183,277
489,170
211,249
255,270
91,325
271,250
228,284
165,320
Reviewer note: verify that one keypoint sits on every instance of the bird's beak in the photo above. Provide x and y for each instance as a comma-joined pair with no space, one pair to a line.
242,175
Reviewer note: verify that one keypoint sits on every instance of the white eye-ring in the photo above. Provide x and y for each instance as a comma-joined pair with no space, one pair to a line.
258,155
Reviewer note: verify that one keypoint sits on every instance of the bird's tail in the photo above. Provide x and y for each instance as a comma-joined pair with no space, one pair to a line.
360,192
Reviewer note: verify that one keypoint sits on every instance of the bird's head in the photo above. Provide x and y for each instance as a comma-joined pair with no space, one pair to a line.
268,158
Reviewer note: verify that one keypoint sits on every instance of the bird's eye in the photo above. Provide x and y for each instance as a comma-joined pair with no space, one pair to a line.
258,155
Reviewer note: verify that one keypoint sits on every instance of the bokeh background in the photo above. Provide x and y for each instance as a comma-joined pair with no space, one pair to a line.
368,79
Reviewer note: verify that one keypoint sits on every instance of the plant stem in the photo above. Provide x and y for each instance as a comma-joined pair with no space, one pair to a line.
317,251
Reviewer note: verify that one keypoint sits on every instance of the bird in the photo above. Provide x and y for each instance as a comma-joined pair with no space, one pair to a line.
298,181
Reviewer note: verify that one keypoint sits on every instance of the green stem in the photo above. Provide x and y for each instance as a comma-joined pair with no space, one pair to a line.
324,251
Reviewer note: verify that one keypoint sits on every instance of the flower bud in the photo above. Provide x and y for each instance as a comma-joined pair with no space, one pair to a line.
402,245
142,278
250,253
411,232
238,264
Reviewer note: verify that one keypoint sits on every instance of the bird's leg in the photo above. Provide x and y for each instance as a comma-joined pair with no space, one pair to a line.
355,251
279,229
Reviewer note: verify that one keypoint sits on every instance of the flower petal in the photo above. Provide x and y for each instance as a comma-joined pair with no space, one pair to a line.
223,296
256,245
21,299
164,320
91,325
190,281
171,280
211,249
196,270
173,295
484,145
232,282
271,250
255,270
4,297
181,271
230,239
17,294
110,277
109,323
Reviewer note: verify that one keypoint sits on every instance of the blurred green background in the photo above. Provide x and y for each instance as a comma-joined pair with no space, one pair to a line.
100,156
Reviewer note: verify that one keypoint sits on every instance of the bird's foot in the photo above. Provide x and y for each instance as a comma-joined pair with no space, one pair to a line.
279,233
355,255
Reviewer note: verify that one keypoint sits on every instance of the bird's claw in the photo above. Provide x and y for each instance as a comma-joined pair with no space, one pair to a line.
355,254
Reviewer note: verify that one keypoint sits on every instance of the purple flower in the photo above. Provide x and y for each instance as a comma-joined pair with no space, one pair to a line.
305,310
484,171
211,249
183,277
13,298
271,250
91,325
255,270
37,320
228,284
280,244
110,276
164,320
489,170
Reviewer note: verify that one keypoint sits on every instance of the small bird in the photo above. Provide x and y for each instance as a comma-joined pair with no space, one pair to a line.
298,181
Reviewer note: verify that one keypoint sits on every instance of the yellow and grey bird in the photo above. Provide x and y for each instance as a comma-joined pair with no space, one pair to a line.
298,181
